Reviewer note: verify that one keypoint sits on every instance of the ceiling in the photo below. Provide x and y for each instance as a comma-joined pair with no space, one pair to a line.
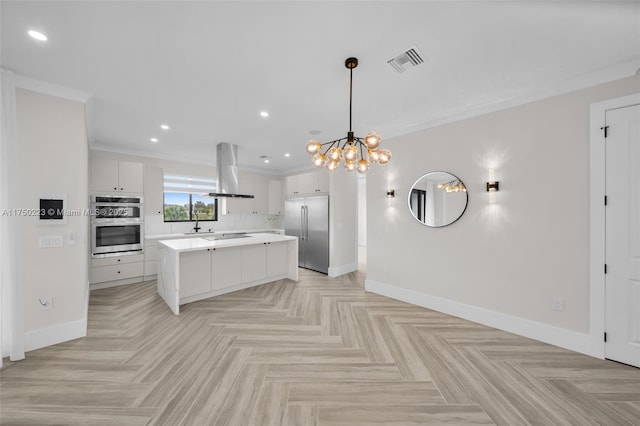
208,68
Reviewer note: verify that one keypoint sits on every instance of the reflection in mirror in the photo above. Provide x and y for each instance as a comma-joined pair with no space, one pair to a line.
438,199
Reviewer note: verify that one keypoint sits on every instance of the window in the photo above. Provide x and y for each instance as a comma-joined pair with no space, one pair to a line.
184,197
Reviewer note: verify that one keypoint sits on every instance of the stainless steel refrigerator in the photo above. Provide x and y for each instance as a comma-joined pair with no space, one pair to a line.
308,219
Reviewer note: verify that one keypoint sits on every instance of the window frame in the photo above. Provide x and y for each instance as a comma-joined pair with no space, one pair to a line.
191,218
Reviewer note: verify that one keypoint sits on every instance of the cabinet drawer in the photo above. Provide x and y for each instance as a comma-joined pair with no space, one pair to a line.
100,274
116,260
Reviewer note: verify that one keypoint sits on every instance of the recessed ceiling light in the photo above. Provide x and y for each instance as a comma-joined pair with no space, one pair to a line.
154,140
266,160
165,127
287,155
264,114
37,35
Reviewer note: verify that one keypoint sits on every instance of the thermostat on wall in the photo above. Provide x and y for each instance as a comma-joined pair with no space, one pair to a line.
52,210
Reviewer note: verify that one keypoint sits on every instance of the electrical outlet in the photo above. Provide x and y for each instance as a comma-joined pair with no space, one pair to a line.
557,304
46,303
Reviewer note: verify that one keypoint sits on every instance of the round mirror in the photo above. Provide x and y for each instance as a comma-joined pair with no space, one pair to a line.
438,199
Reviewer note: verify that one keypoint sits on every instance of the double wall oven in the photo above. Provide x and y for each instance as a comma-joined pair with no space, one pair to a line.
117,226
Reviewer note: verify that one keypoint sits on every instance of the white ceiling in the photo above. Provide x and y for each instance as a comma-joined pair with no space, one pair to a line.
208,68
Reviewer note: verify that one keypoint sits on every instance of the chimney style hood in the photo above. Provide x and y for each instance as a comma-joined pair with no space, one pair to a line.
227,172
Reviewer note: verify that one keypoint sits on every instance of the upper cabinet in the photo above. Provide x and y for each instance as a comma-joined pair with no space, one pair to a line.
274,201
109,176
308,183
261,188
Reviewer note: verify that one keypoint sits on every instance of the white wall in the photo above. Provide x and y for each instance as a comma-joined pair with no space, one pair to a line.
153,186
343,220
500,263
53,157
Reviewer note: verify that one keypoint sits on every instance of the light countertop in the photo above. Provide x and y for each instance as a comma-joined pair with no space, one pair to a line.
199,243
209,234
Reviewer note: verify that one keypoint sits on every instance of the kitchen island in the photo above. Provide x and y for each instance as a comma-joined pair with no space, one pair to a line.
192,269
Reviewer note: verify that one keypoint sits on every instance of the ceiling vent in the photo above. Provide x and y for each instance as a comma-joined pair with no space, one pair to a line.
408,59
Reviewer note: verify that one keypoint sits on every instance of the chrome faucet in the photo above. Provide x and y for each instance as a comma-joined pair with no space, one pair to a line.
195,213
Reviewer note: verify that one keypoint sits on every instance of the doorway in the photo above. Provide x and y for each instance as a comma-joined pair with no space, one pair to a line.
614,295
622,234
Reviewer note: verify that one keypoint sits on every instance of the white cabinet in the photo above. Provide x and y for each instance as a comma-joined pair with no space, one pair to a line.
226,267
203,271
260,200
277,259
109,176
154,190
254,262
308,183
195,272
264,260
255,185
274,197
105,269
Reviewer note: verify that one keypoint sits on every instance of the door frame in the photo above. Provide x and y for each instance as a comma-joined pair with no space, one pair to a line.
597,224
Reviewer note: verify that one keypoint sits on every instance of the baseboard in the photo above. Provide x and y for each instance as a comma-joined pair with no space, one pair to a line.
53,335
109,284
336,271
572,340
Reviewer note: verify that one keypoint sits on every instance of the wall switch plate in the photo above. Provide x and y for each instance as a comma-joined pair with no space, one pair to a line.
47,241
46,303
72,238
557,304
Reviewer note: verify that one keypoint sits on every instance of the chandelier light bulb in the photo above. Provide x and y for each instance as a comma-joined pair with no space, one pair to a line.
332,165
363,166
350,153
313,147
384,156
374,155
319,160
372,140
350,166
335,153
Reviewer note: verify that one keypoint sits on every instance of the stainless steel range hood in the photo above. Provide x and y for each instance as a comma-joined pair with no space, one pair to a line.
227,172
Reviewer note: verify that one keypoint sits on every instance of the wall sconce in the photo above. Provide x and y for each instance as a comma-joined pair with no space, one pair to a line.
493,186
391,193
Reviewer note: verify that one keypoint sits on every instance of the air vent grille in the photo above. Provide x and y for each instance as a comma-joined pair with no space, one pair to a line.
408,59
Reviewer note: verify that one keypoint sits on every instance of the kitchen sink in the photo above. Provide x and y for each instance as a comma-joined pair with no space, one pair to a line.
199,233
227,237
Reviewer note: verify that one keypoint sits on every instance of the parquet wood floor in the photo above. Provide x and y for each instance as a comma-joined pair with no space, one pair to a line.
318,352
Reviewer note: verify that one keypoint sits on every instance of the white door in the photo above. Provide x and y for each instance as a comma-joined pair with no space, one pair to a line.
622,277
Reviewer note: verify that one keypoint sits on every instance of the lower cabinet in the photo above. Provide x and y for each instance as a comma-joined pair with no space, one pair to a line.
195,272
210,270
264,260
226,267
277,259
107,269
254,262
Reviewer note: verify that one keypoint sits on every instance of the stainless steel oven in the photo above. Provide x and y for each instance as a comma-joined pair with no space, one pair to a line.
104,207
117,226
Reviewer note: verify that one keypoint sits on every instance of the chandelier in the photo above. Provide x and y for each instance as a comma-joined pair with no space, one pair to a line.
358,153
454,186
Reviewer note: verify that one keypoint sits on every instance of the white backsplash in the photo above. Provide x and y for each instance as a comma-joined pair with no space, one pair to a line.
155,225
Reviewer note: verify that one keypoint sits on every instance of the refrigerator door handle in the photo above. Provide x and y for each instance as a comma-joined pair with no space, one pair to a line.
306,223
302,223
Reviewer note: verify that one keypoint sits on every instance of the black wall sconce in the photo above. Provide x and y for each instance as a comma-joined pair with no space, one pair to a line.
391,193
493,186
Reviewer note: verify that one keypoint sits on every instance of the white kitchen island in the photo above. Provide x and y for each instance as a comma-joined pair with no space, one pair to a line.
192,269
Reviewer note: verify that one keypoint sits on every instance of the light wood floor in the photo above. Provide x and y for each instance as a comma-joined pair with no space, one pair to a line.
319,352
